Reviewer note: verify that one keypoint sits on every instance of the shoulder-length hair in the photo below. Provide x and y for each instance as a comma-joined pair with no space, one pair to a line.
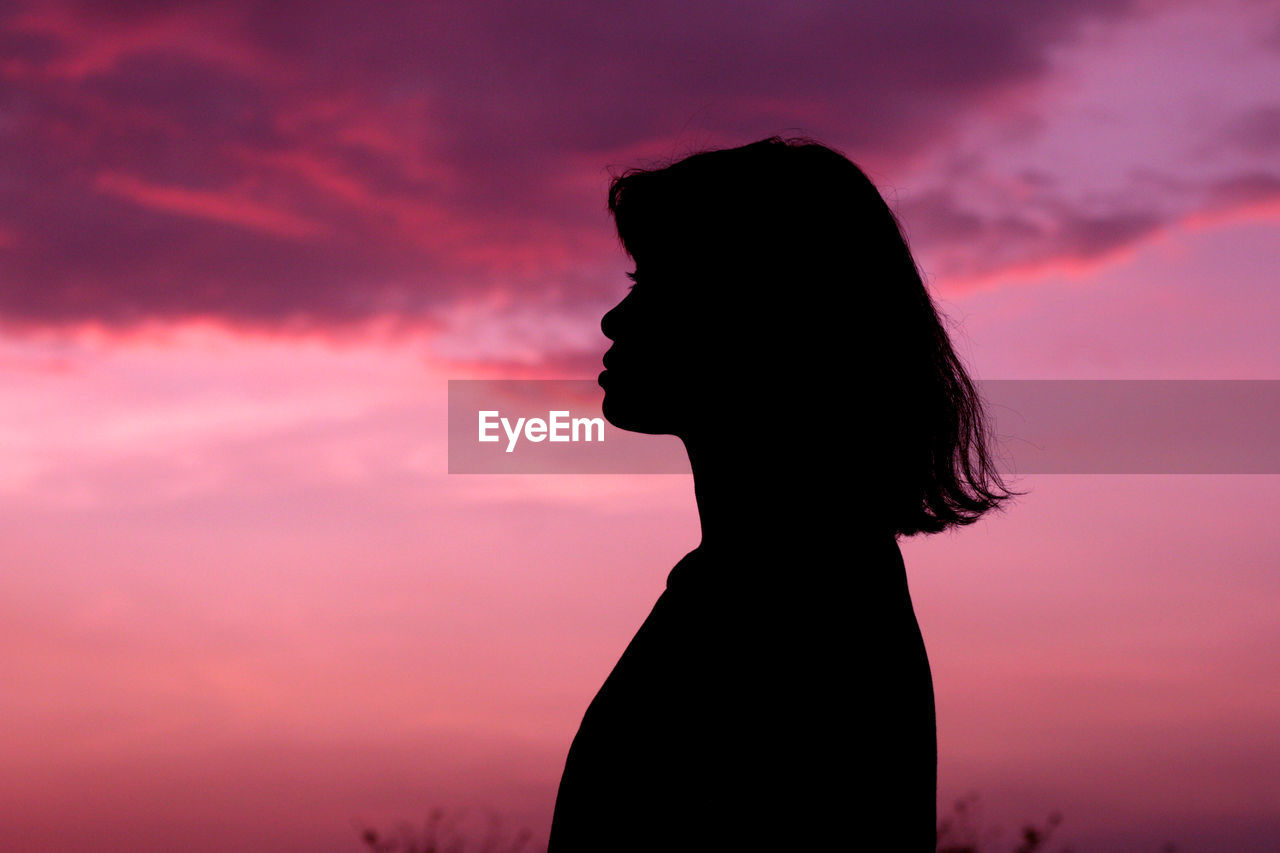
804,227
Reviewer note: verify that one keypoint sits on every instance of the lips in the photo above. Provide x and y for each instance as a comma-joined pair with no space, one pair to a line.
610,361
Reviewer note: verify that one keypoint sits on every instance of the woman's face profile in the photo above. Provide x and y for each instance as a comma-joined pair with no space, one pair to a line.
661,359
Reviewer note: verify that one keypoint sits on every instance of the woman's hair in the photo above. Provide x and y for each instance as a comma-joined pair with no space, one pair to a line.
795,228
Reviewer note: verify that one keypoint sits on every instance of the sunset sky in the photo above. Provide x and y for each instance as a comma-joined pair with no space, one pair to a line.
243,248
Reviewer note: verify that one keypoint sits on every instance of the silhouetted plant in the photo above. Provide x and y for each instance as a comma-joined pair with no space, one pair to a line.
958,832
440,834
961,831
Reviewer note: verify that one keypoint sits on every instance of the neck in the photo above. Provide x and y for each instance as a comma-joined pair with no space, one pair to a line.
766,498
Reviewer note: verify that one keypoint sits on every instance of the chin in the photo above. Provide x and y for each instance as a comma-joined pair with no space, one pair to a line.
634,414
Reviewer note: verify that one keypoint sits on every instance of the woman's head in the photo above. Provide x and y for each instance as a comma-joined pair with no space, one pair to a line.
772,282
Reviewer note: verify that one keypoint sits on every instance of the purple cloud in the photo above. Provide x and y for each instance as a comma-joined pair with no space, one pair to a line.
318,163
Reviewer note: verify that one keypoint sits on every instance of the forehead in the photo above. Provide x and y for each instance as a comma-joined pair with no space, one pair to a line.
678,250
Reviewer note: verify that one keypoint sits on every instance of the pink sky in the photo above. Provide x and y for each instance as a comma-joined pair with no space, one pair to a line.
244,247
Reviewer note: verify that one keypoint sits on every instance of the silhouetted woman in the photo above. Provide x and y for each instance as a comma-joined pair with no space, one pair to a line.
778,696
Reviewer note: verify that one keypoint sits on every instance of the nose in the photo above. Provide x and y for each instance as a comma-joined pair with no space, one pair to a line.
614,320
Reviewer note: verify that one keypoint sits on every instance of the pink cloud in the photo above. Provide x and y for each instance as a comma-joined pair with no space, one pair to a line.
94,41
440,154
225,206
382,167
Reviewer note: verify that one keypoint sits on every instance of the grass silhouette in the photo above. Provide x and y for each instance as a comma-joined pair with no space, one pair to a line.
963,830
441,833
